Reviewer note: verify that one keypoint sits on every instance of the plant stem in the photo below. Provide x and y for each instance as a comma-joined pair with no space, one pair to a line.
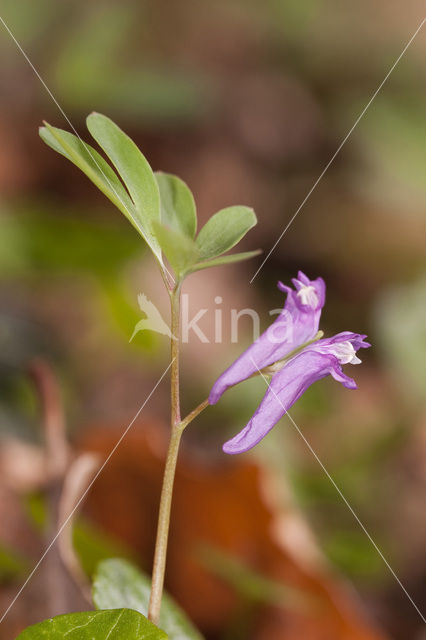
196,412
175,344
160,553
163,527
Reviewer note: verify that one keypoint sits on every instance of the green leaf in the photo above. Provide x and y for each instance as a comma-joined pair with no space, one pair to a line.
118,583
178,209
224,229
217,262
134,170
101,174
90,162
180,250
113,624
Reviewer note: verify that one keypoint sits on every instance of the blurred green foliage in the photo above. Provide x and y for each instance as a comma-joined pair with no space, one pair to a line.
353,553
401,320
251,585
36,242
91,544
12,564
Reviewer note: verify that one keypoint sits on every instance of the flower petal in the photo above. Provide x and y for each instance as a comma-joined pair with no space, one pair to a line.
286,387
357,339
297,323
338,375
343,346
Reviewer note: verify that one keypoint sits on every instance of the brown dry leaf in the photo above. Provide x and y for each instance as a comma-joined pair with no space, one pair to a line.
230,507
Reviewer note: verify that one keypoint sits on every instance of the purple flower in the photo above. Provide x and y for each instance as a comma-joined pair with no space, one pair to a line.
314,361
297,323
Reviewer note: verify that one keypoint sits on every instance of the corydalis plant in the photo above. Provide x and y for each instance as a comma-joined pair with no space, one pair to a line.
160,206
162,209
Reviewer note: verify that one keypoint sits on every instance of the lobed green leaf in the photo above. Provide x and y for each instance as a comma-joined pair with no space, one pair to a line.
160,206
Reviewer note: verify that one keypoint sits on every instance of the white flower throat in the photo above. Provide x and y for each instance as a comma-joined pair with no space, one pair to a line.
344,352
308,295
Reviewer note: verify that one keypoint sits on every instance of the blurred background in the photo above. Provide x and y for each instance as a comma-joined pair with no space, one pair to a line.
246,101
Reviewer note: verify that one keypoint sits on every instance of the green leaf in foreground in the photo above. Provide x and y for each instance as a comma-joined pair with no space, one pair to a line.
177,204
118,583
115,624
224,230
